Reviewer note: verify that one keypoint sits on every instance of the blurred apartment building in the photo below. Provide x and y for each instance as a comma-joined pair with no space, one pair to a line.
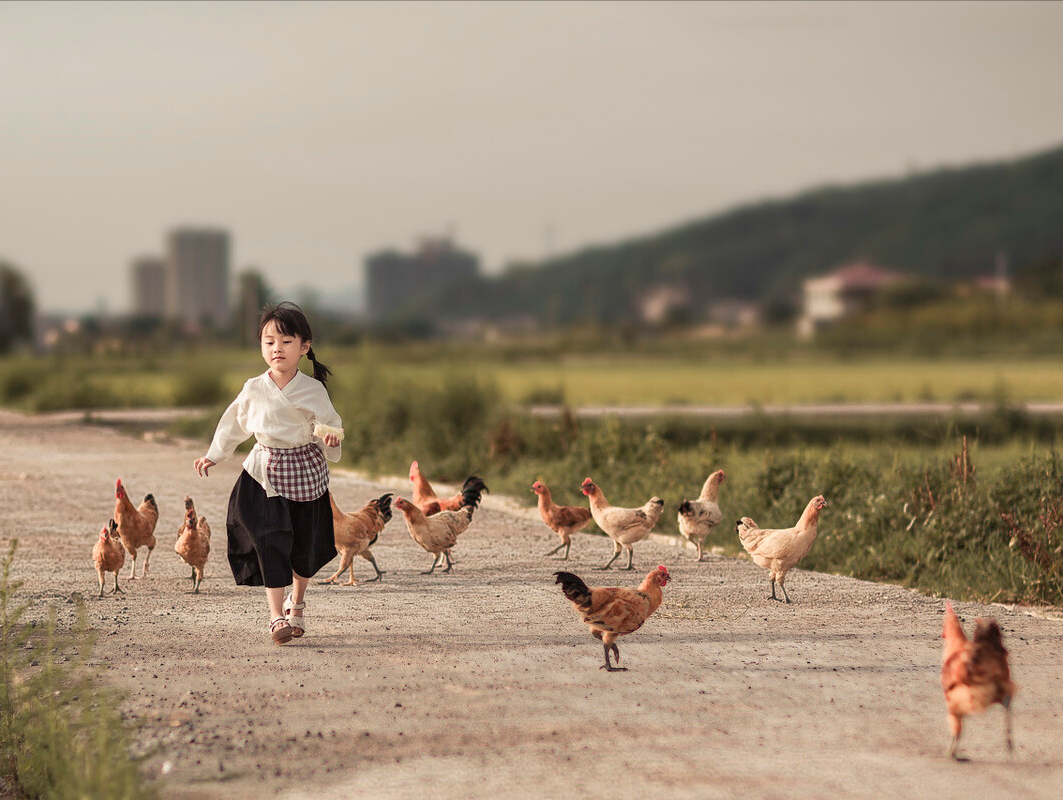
190,284
149,287
397,284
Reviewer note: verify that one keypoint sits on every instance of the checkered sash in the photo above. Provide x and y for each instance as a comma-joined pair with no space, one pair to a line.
297,473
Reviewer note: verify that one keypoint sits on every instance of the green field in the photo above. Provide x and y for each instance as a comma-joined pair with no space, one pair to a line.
203,378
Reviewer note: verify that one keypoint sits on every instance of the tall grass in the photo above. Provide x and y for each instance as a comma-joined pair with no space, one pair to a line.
61,735
901,509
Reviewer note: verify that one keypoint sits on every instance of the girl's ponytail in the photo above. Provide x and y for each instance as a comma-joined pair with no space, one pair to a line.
321,372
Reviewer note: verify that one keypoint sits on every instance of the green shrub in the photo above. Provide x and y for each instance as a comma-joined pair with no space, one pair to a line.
200,388
60,735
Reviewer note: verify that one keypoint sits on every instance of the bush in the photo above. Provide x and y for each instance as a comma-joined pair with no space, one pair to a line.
199,389
60,735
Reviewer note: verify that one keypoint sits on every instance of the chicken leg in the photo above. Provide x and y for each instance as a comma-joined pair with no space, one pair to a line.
115,589
616,555
435,563
565,545
372,560
616,652
781,586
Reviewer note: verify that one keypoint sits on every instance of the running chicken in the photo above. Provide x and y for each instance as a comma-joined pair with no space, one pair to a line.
698,517
358,531
974,674
562,520
778,550
437,533
193,543
108,555
136,525
614,612
624,526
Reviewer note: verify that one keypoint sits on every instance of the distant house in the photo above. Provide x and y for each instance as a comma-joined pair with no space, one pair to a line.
659,303
841,293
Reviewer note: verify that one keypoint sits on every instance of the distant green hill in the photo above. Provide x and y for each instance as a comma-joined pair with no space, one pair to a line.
948,223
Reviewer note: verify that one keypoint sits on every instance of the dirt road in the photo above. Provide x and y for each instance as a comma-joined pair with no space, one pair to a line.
482,683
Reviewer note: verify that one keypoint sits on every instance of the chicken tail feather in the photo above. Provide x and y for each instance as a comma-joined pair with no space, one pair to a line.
384,504
472,491
953,631
574,588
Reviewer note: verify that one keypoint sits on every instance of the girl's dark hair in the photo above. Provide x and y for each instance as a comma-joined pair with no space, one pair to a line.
291,321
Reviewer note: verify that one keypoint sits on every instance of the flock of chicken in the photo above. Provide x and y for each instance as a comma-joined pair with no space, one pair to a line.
974,672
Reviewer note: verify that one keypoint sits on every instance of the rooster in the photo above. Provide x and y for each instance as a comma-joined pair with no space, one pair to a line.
193,543
778,550
358,531
108,555
437,533
425,498
136,525
624,526
974,674
614,612
698,517
562,520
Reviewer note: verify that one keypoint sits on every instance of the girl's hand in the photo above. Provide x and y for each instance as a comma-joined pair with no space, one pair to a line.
203,466
330,439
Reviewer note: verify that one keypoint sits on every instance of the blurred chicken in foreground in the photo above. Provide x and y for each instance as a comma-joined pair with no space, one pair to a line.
974,674
614,612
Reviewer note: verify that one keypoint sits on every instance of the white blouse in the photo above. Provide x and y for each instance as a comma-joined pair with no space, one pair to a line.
277,418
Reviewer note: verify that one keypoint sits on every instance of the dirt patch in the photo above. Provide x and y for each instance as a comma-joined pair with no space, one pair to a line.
482,682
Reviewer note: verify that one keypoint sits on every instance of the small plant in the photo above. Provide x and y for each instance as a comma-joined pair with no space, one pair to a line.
60,735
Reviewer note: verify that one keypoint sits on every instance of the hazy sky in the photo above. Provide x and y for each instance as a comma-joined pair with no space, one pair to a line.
319,132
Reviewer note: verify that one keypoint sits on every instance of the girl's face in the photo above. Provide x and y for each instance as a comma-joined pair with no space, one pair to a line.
282,351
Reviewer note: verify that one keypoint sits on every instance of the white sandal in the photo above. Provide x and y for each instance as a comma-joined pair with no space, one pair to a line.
280,631
298,624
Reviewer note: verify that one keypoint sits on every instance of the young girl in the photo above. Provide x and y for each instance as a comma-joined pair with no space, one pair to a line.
280,522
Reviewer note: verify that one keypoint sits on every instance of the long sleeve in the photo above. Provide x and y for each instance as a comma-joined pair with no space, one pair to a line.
232,429
326,414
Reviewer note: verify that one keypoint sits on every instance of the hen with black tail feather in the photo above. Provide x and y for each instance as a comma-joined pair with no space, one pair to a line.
574,588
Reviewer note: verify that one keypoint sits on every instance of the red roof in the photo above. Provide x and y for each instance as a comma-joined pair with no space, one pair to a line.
862,275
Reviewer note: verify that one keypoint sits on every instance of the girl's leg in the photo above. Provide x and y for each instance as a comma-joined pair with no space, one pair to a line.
299,584
275,598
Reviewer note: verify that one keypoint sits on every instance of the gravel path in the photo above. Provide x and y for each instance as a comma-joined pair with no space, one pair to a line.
482,682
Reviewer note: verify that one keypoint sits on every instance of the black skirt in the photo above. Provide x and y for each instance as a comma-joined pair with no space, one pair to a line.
269,537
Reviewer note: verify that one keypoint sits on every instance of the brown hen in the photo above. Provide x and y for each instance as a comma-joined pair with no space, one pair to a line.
108,555
193,543
614,612
562,520
356,532
136,525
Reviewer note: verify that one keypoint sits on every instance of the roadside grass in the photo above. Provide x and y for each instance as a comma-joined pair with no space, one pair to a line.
61,735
